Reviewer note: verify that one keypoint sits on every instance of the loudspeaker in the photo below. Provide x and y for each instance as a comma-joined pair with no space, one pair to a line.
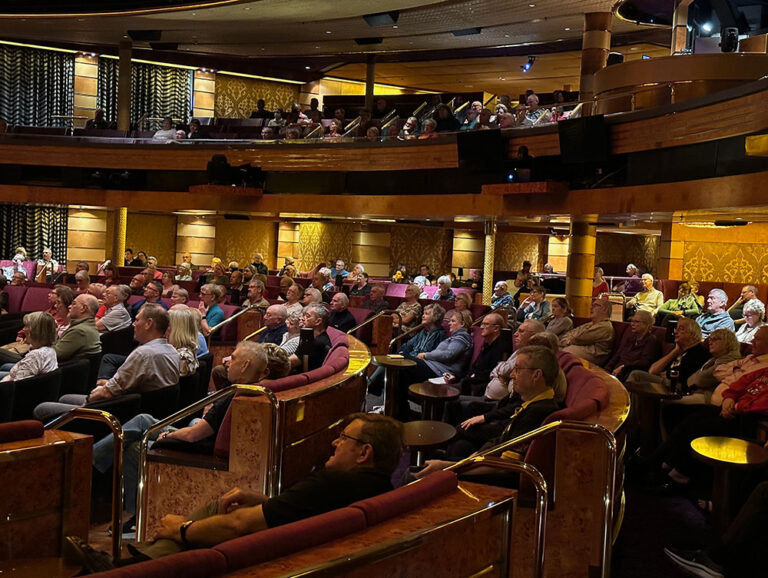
584,140
729,39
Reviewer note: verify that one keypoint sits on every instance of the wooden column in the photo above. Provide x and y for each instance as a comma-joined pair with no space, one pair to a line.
488,259
203,93
86,237
124,87
595,46
370,78
670,262
581,264
196,235
119,228
680,27
86,79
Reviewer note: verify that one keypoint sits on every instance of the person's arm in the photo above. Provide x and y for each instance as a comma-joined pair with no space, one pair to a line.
216,529
68,344
194,433
659,366
446,351
597,332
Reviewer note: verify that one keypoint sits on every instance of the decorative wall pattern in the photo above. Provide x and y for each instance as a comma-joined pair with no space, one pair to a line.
414,246
324,242
735,255
239,240
514,248
642,250
35,85
153,234
236,97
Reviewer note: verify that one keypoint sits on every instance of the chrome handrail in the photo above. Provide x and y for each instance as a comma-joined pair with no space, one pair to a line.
371,319
610,482
397,338
311,133
419,109
462,107
273,459
540,508
389,116
117,465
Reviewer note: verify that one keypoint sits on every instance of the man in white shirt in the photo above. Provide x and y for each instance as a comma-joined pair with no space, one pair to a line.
117,316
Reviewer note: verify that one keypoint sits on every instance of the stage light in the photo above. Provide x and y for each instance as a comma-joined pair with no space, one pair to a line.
527,66
707,27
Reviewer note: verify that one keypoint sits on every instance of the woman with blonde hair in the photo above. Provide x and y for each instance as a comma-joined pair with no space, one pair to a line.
182,334
40,330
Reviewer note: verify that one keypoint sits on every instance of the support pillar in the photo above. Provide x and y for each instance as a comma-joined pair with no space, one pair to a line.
120,226
581,264
595,46
488,260
670,262
680,27
124,87
370,79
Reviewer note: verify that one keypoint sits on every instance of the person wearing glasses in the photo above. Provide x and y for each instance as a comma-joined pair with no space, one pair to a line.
491,354
364,457
152,293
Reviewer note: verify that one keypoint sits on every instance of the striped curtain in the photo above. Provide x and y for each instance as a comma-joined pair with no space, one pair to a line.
33,228
158,91
36,85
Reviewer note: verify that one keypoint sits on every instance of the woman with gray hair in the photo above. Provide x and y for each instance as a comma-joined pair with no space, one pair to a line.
444,292
754,313
290,340
40,330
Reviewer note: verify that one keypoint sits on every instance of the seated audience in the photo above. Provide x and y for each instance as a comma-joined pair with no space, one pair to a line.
259,264
317,318
535,306
82,281
340,317
444,292
484,121
361,286
136,284
182,335
633,284
47,267
445,120
491,354
285,284
685,304
111,274
340,270
288,268
152,365
117,316
210,297
217,274
321,282
592,341
18,279
152,294
167,132
277,119
599,284
98,121
524,281
561,319
375,301
428,129
237,291
311,295
356,273
638,348
260,111
290,340
715,316
410,129
180,297
255,295
476,280
40,330
748,292
409,309
501,297
649,299
166,280
194,130
293,296
463,302
753,312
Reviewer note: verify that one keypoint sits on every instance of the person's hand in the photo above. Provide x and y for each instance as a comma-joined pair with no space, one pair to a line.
449,377
729,408
431,466
617,371
101,382
422,356
20,340
473,421
166,435
678,313
237,498
170,528
201,307
99,393
225,361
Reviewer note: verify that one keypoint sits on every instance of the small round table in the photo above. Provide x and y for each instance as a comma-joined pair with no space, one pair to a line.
433,397
391,367
646,402
724,453
426,435
34,567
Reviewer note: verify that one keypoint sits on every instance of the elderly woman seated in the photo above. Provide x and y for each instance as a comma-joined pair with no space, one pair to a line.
638,347
754,312
444,292
501,297
535,306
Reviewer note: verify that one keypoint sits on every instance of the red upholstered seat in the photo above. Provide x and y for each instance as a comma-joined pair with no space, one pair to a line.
36,299
586,394
477,340
283,540
133,299
396,289
430,290
360,315
20,430
15,297
203,563
397,502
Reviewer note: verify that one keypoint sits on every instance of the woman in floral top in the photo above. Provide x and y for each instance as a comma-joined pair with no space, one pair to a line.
40,330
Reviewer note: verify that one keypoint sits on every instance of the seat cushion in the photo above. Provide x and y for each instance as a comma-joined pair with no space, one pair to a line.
20,430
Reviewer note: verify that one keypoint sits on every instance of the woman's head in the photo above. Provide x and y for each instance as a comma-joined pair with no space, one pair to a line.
723,342
293,322
183,329
167,278
64,296
538,293
753,311
459,320
560,307
444,283
41,328
412,292
463,301
180,296
683,290
598,272
141,256
433,314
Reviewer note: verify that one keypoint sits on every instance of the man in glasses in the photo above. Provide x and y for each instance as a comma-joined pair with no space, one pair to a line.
363,458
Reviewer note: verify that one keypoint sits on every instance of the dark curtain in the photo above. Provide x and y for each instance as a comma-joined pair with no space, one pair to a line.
33,228
36,85
158,91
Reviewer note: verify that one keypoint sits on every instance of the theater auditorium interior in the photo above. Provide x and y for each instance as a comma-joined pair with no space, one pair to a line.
393,287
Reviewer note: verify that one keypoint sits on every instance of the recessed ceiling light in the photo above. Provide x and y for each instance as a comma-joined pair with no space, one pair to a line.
194,13
247,8
566,29
306,67
317,47
395,26
506,36
263,48
633,48
327,31
502,78
536,20
532,5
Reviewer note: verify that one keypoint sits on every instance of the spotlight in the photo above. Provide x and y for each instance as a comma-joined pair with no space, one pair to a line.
527,66
707,27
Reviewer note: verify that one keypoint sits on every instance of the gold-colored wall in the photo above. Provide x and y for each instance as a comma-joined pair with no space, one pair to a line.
514,248
153,234
236,96
728,255
413,246
239,240
468,250
324,242
86,237
642,250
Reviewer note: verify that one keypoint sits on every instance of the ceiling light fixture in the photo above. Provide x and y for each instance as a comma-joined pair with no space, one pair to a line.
527,66
567,29
707,27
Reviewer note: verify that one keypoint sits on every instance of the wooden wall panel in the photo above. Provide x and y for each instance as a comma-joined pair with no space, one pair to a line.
642,250
413,246
514,248
324,242
287,242
371,247
236,96
557,252
197,236
468,251
86,237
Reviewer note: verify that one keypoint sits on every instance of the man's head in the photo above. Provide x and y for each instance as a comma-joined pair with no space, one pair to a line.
600,310
647,280
716,301
294,293
194,125
151,323
255,290
631,270
260,104
506,120
377,292
339,265
527,329
275,316
267,133
535,371
491,326
424,270
760,341
128,255
641,322
83,306
116,294
82,279
484,118
311,295
18,278
368,440
748,292
82,266
137,282
153,291
236,278
477,106
180,296
362,280
248,364
316,317
532,100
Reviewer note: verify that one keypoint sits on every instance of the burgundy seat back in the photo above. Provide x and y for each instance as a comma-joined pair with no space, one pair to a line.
430,290
406,498
21,430
202,563
35,299
364,333
477,341
229,332
15,297
396,289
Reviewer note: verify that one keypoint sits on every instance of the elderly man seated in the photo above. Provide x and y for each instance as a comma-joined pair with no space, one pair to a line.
117,316
341,318
255,296
649,299
715,316
736,311
317,318
364,457
592,341
501,297
376,301
638,347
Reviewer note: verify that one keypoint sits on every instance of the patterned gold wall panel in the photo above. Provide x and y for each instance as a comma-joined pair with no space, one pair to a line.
413,246
514,248
239,240
733,255
557,252
642,250
236,97
153,234
324,242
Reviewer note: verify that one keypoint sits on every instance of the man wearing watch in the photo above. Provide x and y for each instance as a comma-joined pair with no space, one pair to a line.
364,457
